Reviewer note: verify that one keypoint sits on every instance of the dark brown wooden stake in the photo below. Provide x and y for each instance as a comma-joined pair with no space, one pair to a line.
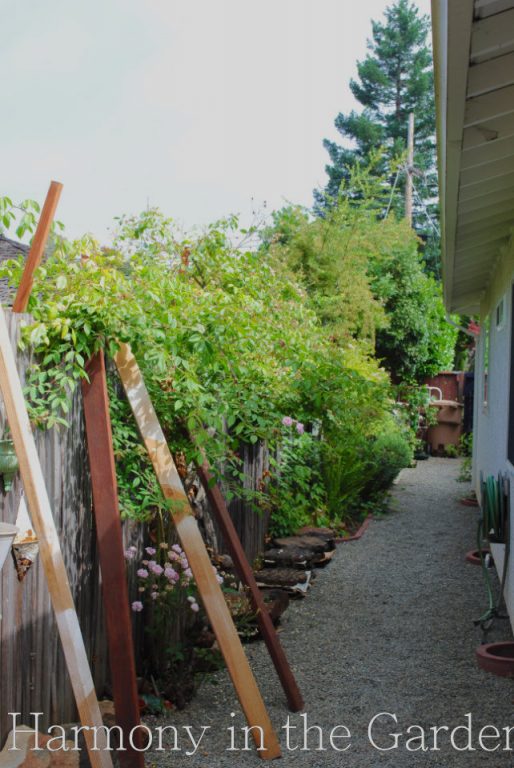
112,562
38,247
237,553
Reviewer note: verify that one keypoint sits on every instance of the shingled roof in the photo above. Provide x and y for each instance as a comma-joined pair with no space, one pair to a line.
9,249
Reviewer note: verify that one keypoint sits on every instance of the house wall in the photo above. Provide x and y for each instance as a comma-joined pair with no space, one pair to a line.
491,417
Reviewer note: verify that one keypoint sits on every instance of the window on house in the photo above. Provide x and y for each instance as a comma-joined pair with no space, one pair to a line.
500,314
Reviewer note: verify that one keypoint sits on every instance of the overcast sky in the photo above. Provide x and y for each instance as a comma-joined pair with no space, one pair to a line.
196,106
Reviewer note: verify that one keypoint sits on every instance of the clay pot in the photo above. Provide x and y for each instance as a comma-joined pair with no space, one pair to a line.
497,658
473,556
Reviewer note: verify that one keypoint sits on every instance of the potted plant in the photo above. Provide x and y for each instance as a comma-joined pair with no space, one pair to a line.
8,462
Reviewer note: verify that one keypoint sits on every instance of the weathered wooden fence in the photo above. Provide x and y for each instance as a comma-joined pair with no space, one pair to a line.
33,676
251,525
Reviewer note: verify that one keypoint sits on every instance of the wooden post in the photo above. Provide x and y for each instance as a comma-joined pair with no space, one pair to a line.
410,169
50,551
194,547
38,247
236,551
112,562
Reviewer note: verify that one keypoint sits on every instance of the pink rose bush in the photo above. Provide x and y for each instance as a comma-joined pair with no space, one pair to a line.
166,581
288,421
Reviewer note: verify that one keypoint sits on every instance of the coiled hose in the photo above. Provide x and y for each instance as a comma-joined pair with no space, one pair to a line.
494,526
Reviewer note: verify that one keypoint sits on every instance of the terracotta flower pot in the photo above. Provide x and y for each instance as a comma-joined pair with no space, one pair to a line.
497,658
473,556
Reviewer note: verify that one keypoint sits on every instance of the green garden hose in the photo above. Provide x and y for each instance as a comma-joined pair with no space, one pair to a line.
493,525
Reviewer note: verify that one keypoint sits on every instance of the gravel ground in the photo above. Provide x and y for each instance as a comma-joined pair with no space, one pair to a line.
387,627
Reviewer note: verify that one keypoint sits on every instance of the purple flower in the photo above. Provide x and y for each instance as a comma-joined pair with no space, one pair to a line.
188,573
150,550
142,573
195,607
155,595
219,578
157,569
287,421
300,428
137,606
171,574
130,553
177,548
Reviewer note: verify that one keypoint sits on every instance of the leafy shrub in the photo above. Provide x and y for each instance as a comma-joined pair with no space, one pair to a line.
296,492
389,452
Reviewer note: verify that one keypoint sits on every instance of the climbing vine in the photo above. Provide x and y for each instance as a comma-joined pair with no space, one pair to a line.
229,345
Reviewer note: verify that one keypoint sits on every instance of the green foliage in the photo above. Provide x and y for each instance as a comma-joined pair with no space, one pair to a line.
389,453
228,343
138,490
330,255
366,282
230,340
22,217
417,342
394,79
296,492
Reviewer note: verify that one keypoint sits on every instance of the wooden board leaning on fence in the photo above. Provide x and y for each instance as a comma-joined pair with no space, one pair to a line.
187,529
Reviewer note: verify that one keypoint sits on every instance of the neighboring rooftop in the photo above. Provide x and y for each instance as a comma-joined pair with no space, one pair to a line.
9,249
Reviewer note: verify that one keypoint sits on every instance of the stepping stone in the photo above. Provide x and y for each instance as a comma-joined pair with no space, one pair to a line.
297,557
322,533
294,581
306,541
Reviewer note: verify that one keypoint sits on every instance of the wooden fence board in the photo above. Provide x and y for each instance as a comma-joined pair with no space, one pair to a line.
50,550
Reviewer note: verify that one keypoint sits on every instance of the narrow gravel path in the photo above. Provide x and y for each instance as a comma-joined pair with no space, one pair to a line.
387,627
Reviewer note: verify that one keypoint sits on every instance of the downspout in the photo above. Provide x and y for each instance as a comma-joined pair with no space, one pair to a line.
460,327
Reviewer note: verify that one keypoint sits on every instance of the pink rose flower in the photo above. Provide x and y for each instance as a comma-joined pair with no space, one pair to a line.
137,606
287,421
142,573
150,550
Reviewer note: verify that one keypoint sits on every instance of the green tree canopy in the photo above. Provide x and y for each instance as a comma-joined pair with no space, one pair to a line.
366,283
394,79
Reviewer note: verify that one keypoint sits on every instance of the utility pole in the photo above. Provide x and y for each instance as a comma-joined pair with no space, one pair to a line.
410,169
